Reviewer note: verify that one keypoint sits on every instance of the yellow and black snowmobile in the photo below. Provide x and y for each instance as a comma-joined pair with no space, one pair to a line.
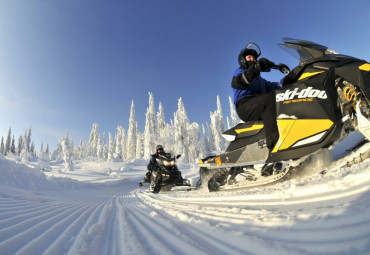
322,99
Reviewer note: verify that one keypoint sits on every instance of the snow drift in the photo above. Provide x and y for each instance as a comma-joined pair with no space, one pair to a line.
21,176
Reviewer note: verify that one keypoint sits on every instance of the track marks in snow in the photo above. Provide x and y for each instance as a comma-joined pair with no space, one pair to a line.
107,220
30,235
162,232
198,232
30,227
341,224
112,224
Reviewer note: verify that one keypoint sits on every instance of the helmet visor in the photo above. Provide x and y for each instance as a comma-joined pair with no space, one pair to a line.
252,49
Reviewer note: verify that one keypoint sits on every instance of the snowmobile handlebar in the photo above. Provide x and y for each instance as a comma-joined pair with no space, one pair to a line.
282,68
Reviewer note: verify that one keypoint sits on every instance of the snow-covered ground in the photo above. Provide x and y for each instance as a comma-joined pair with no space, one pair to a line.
99,209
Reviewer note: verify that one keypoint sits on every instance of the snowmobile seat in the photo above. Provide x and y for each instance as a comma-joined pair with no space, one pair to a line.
244,134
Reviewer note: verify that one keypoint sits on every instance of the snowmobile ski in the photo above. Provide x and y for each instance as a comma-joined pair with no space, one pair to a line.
272,179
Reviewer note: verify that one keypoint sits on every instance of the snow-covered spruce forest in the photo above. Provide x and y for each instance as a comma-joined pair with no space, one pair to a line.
191,140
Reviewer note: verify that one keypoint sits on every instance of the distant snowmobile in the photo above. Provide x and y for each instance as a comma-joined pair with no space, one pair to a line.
323,99
167,175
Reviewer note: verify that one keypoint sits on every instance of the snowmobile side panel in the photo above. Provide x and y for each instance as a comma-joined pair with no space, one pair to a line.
252,128
300,132
307,75
247,132
245,129
301,151
365,67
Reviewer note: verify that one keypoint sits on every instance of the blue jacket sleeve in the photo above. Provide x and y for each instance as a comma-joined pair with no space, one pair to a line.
271,86
152,164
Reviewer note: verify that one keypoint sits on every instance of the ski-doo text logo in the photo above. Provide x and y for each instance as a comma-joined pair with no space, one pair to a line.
302,94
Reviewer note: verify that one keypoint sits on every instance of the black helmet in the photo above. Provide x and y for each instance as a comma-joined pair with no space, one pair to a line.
159,147
250,49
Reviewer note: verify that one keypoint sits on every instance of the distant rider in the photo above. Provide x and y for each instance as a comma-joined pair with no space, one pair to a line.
153,165
254,96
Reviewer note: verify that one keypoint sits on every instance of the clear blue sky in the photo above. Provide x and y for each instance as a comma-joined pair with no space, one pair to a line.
67,64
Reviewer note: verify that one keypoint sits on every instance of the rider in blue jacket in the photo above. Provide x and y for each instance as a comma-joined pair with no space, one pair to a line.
254,96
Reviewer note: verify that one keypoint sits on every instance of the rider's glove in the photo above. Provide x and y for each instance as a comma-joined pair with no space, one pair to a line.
283,68
141,184
264,65
250,74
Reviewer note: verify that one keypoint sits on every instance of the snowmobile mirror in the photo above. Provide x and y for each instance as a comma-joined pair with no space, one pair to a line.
178,156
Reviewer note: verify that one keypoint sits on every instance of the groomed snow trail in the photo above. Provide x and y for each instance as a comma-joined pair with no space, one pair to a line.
317,214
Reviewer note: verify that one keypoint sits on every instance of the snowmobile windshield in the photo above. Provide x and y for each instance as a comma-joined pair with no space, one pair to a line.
168,155
305,50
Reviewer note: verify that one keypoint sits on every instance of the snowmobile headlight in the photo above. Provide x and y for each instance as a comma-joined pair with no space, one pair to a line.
168,163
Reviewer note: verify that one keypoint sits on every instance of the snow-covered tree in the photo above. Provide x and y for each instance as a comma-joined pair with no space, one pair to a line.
168,138
67,153
205,142
132,134
28,138
123,144
218,127
105,148
211,140
57,153
25,150
228,122
216,132
8,142
181,124
12,146
139,146
152,113
73,148
220,113
99,149
234,116
80,151
93,140
118,151
161,124
2,146
111,148
44,160
150,131
19,145
149,143
32,150
195,145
